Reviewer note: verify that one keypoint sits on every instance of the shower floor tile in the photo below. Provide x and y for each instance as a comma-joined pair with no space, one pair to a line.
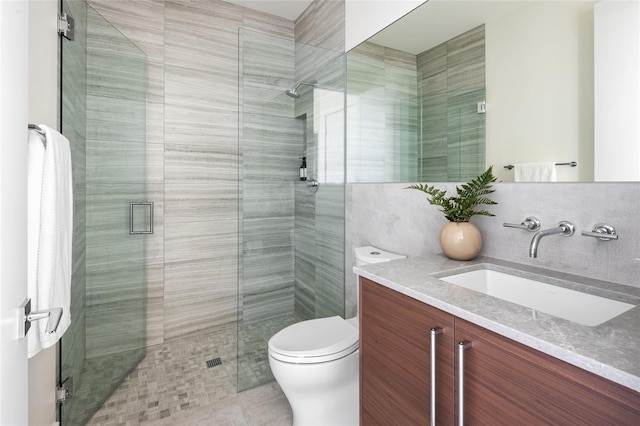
172,385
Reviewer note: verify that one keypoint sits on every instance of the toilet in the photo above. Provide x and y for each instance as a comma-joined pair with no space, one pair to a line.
315,362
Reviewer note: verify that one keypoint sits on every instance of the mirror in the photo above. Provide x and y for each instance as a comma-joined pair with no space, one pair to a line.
456,86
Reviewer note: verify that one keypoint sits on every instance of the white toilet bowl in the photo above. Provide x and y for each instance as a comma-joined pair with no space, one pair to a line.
316,363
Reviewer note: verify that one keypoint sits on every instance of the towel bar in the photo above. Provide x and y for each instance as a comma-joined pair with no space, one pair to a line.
571,163
37,129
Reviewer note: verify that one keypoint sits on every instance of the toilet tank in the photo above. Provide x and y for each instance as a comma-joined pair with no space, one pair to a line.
369,255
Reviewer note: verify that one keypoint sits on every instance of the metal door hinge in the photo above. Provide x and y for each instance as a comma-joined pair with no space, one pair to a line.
66,26
64,391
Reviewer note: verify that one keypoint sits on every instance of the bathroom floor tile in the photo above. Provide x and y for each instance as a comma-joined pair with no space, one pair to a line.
173,385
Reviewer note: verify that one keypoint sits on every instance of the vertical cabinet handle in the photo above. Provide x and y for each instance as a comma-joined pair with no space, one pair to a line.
434,332
461,348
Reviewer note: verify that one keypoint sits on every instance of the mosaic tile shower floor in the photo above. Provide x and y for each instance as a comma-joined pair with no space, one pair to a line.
172,385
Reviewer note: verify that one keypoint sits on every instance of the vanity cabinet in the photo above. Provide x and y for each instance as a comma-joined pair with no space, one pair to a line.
504,381
395,342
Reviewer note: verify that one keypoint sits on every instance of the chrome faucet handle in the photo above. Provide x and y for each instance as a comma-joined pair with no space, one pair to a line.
602,231
569,228
531,223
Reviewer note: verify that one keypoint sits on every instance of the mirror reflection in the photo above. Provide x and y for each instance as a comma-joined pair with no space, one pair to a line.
456,86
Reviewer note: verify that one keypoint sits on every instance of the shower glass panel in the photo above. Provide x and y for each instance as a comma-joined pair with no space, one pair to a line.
104,83
291,239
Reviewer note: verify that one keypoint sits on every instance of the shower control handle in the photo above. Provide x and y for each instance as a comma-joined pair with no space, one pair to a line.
313,185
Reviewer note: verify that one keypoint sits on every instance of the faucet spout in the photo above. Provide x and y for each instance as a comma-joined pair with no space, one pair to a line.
565,228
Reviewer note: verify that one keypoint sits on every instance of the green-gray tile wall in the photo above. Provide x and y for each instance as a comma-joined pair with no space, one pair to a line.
192,147
319,217
451,83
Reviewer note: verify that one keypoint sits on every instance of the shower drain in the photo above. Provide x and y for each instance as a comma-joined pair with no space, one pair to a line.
214,362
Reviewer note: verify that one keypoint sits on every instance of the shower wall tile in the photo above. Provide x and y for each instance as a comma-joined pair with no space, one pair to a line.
267,235
189,125
108,122
268,24
322,24
154,158
202,35
112,161
329,217
155,303
330,24
199,294
154,243
155,128
198,240
276,147
433,61
452,131
141,21
267,69
304,28
199,163
108,210
189,202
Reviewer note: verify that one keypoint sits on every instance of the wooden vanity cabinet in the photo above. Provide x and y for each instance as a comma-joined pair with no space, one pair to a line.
395,359
509,383
505,382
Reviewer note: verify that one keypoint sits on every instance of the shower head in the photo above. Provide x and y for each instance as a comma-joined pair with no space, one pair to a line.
294,91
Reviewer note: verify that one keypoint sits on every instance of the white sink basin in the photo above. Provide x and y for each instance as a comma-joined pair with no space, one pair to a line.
572,305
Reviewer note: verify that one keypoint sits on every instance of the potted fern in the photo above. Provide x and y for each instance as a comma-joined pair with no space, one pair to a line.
459,238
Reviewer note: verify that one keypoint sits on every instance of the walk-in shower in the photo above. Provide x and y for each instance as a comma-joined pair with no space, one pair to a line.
293,92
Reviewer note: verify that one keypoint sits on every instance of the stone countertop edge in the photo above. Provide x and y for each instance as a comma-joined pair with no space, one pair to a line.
609,350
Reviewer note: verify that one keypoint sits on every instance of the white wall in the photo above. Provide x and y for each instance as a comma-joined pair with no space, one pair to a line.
617,91
364,18
43,109
13,209
543,84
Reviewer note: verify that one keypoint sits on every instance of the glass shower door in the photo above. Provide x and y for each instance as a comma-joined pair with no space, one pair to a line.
103,113
291,238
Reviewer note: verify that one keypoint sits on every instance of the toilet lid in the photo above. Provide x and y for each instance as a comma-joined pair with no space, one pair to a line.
314,341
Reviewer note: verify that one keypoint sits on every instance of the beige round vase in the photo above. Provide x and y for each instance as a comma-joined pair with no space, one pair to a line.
460,240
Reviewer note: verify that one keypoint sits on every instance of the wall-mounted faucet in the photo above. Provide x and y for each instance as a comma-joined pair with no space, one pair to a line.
564,228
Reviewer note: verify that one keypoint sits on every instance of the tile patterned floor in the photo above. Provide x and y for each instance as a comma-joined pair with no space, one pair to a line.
172,385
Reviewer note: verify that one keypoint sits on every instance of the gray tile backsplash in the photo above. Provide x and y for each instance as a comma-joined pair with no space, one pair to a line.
402,221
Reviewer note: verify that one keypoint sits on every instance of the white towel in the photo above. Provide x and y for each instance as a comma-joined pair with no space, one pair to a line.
535,172
50,231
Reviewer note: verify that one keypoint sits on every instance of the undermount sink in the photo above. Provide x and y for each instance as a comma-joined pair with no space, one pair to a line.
583,308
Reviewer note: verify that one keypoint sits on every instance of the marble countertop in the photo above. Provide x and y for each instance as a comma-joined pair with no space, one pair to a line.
610,350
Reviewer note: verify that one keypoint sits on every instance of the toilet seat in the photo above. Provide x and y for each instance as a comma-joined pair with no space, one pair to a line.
314,341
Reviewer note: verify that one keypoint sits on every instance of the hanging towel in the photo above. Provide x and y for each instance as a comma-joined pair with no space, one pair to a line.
535,172
49,233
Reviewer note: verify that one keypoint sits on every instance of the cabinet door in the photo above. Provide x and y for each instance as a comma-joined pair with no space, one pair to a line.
395,359
508,383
